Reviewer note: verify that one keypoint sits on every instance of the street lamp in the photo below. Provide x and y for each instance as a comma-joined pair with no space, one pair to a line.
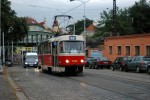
84,18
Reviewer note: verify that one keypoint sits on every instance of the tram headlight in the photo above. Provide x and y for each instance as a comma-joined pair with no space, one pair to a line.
67,61
26,63
82,61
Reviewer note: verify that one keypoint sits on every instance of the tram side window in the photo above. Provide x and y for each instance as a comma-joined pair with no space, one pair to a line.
42,49
39,50
61,47
49,48
45,49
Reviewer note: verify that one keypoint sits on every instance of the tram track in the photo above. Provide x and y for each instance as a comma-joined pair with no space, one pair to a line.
134,81
95,77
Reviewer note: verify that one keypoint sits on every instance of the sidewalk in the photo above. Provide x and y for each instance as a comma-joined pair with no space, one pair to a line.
6,90
9,90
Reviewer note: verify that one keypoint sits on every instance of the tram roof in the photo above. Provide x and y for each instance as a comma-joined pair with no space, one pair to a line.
66,37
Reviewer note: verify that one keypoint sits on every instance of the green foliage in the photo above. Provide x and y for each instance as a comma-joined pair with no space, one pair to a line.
12,26
133,20
79,26
18,29
140,13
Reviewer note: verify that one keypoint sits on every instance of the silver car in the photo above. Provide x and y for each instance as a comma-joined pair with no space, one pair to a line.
1,65
139,63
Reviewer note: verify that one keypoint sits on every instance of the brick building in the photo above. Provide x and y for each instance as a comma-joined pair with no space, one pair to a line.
129,45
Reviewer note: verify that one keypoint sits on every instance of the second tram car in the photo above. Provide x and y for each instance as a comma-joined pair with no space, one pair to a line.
64,53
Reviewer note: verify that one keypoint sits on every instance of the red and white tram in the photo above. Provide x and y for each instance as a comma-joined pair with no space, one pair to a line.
64,53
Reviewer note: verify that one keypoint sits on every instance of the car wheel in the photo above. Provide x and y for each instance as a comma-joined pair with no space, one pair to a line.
148,70
112,68
43,70
137,69
39,67
121,68
89,67
96,66
126,68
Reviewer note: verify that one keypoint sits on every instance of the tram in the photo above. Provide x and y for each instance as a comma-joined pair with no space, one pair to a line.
62,53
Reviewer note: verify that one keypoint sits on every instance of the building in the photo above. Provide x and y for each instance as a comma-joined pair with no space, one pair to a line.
130,45
37,33
89,31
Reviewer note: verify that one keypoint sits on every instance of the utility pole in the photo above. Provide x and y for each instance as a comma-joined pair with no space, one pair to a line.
84,18
3,49
114,18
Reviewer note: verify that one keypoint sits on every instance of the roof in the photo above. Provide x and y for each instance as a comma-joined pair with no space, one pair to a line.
90,28
67,37
129,36
31,21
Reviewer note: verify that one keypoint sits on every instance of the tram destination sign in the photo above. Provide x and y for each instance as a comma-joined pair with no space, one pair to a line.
72,37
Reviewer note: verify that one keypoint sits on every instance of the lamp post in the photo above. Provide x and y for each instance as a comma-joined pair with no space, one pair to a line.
84,18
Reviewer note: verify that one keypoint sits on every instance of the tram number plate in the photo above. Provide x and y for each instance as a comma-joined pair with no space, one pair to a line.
74,60
72,37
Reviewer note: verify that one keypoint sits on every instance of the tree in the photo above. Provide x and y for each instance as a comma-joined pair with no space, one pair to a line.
140,13
123,23
12,26
133,20
79,26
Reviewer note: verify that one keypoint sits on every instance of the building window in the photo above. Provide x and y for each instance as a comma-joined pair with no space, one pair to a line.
148,50
137,50
119,50
127,50
110,49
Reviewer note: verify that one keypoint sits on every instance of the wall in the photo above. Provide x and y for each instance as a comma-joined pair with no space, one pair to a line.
141,40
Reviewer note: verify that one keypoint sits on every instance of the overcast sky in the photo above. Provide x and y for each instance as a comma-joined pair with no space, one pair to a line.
40,9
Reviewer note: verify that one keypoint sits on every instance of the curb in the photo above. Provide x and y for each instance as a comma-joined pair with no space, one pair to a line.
17,90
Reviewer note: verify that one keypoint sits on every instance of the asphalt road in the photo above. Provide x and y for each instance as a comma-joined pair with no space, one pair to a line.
101,84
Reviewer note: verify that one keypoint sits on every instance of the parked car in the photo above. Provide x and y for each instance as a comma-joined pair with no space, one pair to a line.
139,63
104,62
1,65
90,62
121,63
8,63
148,69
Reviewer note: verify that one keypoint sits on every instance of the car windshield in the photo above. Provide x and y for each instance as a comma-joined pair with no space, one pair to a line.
146,58
32,56
91,59
127,58
104,59
30,59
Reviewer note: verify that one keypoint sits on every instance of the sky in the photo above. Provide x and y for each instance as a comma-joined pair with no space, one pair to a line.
47,9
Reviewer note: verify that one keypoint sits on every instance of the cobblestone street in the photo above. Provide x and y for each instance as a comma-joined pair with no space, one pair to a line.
92,85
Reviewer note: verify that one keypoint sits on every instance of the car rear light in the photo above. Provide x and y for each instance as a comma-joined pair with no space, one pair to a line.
122,63
100,62
110,62
142,62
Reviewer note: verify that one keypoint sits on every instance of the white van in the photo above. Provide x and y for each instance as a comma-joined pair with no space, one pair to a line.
31,60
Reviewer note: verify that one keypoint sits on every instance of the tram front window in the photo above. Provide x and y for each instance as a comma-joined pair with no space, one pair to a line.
73,47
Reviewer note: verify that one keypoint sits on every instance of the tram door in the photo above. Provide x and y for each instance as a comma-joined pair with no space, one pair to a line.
54,54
